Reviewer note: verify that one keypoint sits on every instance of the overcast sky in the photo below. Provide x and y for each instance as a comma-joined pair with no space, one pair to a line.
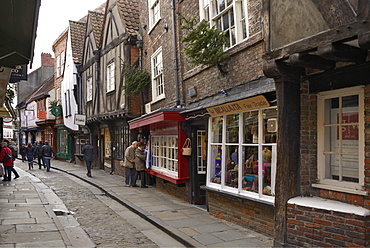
53,20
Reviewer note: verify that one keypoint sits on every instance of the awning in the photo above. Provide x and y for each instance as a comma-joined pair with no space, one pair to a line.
18,24
160,115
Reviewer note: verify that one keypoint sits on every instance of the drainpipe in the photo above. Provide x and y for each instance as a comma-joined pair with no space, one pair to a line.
175,59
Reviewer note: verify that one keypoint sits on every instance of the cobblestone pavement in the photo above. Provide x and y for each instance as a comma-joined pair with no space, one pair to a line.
104,226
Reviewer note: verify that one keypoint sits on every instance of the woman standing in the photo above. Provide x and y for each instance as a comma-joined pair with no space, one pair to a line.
8,165
30,152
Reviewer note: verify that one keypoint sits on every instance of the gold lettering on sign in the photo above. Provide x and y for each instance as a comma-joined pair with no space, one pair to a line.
256,102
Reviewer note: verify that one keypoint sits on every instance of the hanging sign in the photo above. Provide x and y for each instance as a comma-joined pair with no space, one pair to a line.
56,110
256,102
80,120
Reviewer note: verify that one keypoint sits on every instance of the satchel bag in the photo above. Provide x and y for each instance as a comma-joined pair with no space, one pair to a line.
186,148
6,158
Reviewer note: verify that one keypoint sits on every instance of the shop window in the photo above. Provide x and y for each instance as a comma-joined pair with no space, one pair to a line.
157,72
341,138
229,16
63,141
118,148
107,143
164,150
243,152
201,152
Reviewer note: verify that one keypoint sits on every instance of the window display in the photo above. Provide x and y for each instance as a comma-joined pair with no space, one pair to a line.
243,151
164,151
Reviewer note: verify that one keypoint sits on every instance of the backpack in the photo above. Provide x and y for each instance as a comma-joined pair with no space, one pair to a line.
6,158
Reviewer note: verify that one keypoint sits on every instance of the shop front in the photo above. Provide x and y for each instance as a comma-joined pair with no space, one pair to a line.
165,161
242,152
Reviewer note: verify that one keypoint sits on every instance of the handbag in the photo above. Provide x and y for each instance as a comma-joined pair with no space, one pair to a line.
186,148
6,157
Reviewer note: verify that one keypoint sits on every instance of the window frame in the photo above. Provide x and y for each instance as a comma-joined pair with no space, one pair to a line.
160,154
110,77
241,144
240,14
89,89
154,13
157,77
337,185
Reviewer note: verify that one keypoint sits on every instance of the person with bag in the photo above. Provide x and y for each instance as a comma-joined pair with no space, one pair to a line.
30,152
129,164
14,156
88,152
47,153
140,164
6,159
38,153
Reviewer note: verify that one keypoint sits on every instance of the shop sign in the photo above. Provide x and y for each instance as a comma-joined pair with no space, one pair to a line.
18,73
80,120
42,114
56,110
256,102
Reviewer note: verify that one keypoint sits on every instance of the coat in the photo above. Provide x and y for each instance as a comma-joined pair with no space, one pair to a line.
3,151
130,157
140,164
30,151
88,152
47,151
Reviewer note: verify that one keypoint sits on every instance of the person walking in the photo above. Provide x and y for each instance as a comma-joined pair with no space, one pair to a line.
88,152
14,156
38,153
30,152
47,154
8,164
140,164
23,152
129,164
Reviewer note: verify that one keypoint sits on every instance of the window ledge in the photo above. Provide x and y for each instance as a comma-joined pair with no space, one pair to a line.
268,203
154,25
340,189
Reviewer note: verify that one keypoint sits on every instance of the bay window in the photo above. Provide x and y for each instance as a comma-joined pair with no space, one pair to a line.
164,151
242,152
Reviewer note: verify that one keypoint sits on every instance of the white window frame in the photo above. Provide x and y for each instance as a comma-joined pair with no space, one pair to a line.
89,89
111,70
208,11
341,186
154,13
157,76
240,144
164,152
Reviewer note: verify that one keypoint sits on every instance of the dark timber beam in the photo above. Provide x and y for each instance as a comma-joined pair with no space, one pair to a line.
364,40
342,52
310,61
287,82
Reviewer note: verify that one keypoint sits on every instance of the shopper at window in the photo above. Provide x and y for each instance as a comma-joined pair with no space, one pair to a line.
130,165
140,164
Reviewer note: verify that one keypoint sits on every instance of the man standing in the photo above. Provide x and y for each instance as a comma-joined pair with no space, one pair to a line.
140,164
39,154
130,165
14,156
47,153
88,152
8,165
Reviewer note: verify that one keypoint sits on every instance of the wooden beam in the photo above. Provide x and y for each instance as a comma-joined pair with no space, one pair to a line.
310,61
364,40
342,52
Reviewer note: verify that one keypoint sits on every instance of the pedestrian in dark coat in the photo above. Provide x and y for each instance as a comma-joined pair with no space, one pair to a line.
88,152
140,164
8,165
129,163
38,153
30,151
23,152
47,153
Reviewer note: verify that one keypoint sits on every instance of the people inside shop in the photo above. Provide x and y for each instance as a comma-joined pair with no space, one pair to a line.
140,164
129,164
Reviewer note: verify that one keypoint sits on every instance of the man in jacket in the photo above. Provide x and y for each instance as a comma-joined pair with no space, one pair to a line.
8,165
38,153
140,164
88,152
130,165
47,153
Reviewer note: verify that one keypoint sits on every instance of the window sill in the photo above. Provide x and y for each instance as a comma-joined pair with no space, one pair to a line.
167,177
158,99
249,198
340,189
153,26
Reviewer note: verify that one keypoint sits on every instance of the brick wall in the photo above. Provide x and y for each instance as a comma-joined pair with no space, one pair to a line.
249,214
179,191
46,59
308,226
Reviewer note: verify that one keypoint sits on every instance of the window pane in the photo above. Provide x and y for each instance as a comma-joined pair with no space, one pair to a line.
225,20
270,125
232,128
331,110
266,169
332,135
350,168
216,164
217,129
232,166
250,127
250,168
221,4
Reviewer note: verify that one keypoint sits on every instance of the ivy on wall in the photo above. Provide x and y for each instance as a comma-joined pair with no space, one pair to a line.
136,79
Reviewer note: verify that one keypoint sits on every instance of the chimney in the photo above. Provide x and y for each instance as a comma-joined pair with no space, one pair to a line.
46,59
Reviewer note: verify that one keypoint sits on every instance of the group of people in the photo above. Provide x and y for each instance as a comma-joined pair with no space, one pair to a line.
43,152
135,164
